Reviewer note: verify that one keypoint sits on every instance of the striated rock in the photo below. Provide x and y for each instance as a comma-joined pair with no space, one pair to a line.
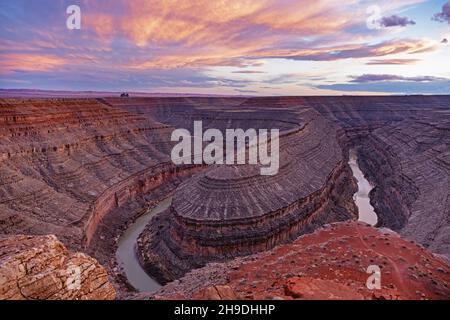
403,148
66,163
415,198
40,267
231,211
330,263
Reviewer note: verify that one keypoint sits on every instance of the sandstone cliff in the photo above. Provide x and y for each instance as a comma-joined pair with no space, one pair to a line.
40,267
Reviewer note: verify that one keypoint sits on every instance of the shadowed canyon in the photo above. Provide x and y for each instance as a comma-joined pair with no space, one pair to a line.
95,176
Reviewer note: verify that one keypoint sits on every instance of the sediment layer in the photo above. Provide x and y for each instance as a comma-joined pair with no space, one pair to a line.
65,163
230,211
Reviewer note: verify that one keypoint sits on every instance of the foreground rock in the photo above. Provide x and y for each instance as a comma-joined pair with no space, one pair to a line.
40,267
330,263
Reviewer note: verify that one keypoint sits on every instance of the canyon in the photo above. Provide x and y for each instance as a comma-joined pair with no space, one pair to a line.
84,169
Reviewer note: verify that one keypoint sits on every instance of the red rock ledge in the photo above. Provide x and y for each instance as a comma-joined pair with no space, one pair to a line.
330,263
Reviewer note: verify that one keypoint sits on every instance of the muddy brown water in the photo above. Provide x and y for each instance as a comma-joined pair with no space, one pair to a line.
126,257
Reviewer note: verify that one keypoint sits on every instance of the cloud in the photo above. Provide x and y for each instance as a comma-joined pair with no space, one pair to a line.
444,40
10,63
147,44
394,87
392,61
365,78
248,71
389,83
444,15
284,79
396,46
396,21
245,91
227,32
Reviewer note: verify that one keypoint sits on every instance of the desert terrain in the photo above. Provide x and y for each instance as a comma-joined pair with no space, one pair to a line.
76,174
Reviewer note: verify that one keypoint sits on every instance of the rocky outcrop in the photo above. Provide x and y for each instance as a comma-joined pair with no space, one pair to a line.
40,267
330,263
231,211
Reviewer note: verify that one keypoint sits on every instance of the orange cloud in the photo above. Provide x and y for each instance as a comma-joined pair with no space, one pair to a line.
232,32
102,24
206,22
29,62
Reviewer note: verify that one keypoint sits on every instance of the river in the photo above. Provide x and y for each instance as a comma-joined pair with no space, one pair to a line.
126,254
141,281
366,211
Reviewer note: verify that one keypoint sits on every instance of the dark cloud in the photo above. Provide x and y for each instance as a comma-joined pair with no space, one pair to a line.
367,78
444,15
444,40
396,21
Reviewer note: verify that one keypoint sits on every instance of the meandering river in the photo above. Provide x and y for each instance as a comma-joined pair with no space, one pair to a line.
141,281
126,253
366,212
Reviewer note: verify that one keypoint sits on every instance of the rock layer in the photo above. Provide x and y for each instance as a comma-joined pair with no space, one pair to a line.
233,210
40,267
66,163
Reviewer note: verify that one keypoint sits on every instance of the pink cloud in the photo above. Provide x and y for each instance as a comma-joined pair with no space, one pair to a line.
29,62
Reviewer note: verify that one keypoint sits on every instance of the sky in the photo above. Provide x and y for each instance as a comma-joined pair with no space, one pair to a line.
228,47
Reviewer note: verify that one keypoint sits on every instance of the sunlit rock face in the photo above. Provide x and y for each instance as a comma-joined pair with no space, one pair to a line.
40,267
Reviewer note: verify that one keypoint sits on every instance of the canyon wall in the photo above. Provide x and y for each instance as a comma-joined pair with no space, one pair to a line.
403,145
233,210
65,163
